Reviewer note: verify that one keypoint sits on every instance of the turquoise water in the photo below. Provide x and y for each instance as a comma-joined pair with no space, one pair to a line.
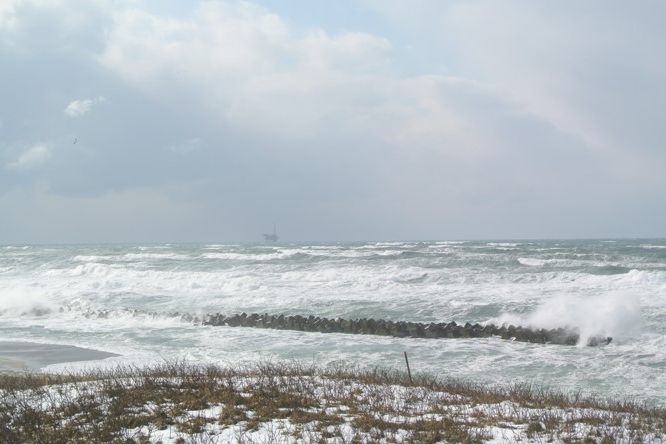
121,299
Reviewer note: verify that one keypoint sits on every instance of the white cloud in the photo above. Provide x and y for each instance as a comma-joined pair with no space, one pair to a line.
7,14
80,107
247,66
586,68
31,158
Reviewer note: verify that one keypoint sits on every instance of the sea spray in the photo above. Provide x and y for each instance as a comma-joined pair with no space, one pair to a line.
611,314
22,300
613,288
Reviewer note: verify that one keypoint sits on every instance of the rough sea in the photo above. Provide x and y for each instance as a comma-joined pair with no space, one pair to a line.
122,299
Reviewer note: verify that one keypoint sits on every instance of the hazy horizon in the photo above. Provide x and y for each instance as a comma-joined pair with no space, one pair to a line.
142,121
287,241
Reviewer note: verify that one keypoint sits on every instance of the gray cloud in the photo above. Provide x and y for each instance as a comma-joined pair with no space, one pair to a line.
219,121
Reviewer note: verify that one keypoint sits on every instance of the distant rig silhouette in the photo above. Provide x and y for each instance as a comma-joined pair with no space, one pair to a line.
271,237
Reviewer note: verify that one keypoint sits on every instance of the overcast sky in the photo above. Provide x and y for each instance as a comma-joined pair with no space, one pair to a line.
169,121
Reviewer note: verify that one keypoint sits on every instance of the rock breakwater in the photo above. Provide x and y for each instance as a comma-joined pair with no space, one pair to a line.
402,329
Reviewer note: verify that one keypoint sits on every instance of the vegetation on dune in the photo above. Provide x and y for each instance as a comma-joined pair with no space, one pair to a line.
281,402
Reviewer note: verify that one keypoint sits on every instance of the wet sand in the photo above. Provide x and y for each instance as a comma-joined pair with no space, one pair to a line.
20,356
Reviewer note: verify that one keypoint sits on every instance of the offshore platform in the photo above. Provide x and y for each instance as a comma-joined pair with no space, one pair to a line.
271,237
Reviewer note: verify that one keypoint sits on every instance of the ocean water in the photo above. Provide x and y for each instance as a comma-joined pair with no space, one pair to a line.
121,299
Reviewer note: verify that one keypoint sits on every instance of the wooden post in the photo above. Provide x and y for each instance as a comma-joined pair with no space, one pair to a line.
409,372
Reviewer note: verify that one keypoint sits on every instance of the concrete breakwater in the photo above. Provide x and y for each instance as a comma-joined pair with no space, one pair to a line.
402,329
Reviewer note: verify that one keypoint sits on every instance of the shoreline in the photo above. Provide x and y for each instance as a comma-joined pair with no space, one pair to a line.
19,356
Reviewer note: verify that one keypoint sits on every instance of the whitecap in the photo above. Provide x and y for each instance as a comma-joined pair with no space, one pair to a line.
503,244
532,262
91,258
170,256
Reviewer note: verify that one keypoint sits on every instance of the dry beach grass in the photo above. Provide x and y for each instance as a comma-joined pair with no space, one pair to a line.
276,403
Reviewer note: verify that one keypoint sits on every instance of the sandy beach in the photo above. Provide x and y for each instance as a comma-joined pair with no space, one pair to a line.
19,356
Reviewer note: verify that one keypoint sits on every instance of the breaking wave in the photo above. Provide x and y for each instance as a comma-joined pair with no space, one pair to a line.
131,299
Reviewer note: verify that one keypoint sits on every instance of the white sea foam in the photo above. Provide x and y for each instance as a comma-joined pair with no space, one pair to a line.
653,247
142,256
503,244
544,284
324,247
91,258
129,257
219,246
584,263
611,314
251,256
532,262
22,300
